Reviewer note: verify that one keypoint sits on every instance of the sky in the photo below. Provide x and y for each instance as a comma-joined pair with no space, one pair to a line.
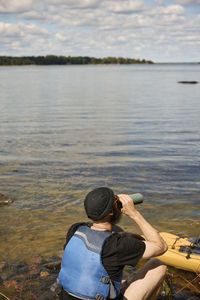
157,30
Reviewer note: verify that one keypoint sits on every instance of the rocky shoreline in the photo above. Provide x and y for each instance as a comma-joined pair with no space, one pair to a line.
37,279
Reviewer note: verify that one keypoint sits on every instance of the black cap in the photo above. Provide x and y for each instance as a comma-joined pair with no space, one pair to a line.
98,203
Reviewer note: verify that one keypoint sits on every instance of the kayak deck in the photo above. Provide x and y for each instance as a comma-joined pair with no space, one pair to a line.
182,253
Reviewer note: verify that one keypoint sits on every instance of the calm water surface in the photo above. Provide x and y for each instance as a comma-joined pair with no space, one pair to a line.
67,129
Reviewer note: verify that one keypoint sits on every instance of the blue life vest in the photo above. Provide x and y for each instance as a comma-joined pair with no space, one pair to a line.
82,273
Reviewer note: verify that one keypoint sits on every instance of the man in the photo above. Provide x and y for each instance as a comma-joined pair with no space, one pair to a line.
96,253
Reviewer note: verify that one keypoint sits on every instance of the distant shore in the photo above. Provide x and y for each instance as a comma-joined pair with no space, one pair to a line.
67,60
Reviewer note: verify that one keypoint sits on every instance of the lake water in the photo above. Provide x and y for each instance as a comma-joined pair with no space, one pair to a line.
67,129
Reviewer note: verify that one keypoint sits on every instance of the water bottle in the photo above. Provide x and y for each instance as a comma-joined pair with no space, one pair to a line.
137,199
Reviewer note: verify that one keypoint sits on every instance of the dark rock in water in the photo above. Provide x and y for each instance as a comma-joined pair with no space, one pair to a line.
4,200
53,258
20,268
3,266
188,82
51,293
53,265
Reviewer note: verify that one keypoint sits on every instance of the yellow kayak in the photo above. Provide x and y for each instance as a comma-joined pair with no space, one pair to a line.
183,253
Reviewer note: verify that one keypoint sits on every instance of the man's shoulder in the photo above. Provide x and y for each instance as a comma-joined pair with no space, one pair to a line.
119,239
73,229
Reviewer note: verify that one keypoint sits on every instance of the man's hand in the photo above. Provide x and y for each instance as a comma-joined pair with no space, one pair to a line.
128,207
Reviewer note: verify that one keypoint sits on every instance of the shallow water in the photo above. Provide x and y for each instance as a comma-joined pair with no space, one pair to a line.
67,129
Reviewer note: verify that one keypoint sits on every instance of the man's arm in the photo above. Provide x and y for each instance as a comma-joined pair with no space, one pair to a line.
155,245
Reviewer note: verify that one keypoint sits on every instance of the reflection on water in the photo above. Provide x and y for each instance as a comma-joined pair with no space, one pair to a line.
67,129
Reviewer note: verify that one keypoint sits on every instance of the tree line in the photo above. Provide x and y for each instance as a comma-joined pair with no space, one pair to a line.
67,60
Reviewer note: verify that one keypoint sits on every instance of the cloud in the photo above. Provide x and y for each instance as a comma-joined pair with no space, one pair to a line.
20,37
35,15
160,2
70,18
188,2
9,30
181,2
168,10
20,29
19,6
81,4
125,6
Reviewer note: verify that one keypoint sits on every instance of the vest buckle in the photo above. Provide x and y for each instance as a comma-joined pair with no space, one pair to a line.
105,280
99,297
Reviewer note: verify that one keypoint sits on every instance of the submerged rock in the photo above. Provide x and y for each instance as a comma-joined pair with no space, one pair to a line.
20,268
188,82
44,274
2,266
53,265
4,200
